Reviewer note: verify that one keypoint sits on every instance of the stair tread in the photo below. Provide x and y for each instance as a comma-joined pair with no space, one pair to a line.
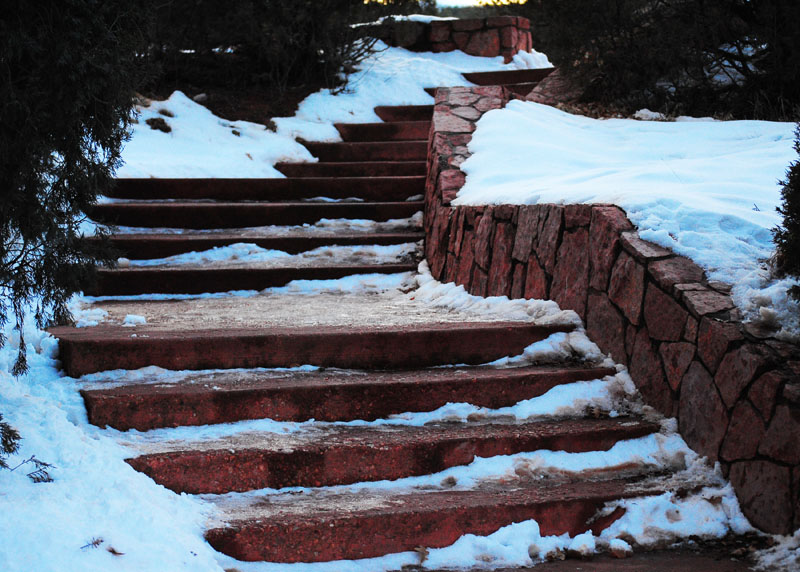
404,112
342,169
505,77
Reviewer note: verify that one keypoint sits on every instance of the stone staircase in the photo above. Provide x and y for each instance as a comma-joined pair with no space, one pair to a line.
376,357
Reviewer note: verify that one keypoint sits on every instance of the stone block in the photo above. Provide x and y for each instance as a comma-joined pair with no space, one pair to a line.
466,258
456,232
744,433
518,281
676,358
527,228
467,25
439,47
483,237
570,285
461,39
606,226
500,271
705,302
504,212
450,268
536,280
479,282
606,326
461,96
484,44
500,21
509,37
703,418
627,286
646,371
630,339
523,23
642,250
449,123
764,392
782,441
665,318
713,339
736,370
577,215
549,235
764,491
466,112
690,331
677,270
440,31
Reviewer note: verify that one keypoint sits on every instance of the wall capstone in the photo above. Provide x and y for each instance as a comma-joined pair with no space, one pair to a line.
734,390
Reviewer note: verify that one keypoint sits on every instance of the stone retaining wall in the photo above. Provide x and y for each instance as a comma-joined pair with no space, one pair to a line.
486,37
735,392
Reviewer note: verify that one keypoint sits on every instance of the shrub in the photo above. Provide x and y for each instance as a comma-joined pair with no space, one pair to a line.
787,236
69,70
9,441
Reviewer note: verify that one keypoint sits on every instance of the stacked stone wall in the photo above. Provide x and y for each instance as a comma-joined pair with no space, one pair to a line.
734,390
485,37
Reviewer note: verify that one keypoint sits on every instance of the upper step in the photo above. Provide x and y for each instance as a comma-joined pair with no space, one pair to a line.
89,350
383,188
373,151
241,215
405,112
331,455
205,398
357,169
144,246
508,77
322,525
393,131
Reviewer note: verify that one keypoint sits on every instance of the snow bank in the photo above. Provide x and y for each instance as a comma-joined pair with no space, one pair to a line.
706,189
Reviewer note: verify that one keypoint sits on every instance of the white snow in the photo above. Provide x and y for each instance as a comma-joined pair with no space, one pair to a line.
706,189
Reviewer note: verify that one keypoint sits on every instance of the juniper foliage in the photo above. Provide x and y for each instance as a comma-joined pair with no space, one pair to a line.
787,235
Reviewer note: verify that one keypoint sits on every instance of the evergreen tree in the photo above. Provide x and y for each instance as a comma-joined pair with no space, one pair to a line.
787,236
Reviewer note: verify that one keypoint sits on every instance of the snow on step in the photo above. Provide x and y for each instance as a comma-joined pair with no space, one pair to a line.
172,399
392,131
372,151
353,169
321,526
376,188
200,215
331,455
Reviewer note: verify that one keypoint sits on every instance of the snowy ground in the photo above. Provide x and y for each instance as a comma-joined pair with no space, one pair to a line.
706,189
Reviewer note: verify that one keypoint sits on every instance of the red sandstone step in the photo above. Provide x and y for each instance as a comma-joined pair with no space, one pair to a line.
374,151
194,280
104,347
392,131
226,397
521,89
145,246
404,112
508,77
241,215
344,455
325,526
389,188
357,169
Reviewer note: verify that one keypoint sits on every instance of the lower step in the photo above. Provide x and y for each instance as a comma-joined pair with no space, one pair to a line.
345,455
242,215
405,112
324,526
355,169
508,77
226,397
374,151
177,280
393,131
89,350
149,246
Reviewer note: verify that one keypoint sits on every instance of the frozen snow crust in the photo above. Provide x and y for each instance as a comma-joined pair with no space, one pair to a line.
729,382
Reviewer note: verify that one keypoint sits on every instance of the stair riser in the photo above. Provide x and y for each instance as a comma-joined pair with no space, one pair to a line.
220,472
397,131
393,188
208,216
405,112
369,536
199,281
160,246
403,347
323,402
348,152
358,169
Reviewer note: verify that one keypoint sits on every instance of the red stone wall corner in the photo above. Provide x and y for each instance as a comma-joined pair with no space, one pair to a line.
735,392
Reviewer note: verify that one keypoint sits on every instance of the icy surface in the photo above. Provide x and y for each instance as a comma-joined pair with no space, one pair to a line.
706,189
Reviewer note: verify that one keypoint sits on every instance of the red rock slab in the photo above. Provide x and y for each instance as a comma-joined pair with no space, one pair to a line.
372,151
322,526
404,112
391,131
89,350
391,188
345,455
509,77
225,397
355,169
199,280
242,215
148,246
